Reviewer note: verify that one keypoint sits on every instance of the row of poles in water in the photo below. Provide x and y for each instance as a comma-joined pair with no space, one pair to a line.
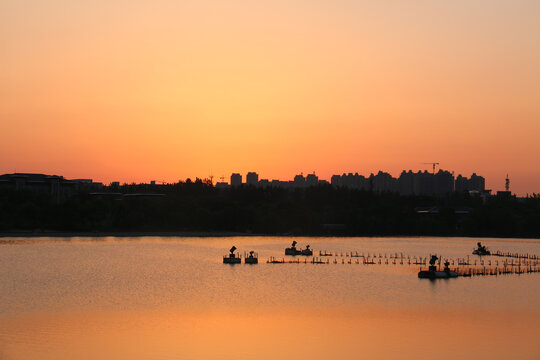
401,255
463,267
406,261
515,255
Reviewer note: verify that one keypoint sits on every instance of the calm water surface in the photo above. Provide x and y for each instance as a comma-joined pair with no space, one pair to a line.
172,298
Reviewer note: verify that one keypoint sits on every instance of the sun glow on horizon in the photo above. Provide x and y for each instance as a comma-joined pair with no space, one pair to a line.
134,91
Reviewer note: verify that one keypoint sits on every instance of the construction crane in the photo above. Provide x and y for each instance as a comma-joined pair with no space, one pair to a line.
432,163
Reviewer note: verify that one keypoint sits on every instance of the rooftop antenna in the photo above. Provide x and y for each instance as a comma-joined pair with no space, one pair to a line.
434,165
507,183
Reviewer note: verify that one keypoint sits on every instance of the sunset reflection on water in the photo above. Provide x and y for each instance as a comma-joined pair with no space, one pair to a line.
138,300
286,334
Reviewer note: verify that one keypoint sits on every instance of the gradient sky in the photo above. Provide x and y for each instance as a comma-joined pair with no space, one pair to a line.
134,90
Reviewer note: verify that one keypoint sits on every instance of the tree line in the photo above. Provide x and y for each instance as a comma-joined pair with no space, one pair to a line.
197,206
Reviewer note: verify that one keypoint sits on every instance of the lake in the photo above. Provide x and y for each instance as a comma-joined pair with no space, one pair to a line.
173,298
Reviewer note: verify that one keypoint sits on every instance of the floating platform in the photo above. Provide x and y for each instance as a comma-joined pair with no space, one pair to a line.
231,260
232,257
306,252
481,250
434,274
252,258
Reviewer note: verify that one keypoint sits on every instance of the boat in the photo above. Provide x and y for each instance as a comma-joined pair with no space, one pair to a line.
252,258
433,273
307,251
293,250
232,258
481,250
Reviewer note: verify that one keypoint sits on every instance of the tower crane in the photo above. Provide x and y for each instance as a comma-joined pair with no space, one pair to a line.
432,163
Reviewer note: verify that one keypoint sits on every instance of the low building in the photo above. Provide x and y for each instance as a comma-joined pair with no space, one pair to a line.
222,185
56,186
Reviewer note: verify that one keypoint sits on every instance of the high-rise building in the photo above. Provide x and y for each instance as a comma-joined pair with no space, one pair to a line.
406,183
444,183
312,180
423,183
236,179
299,181
383,182
336,180
461,184
252,178
410,183
477,182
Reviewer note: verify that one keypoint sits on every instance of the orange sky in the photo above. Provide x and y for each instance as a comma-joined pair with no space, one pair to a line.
133,90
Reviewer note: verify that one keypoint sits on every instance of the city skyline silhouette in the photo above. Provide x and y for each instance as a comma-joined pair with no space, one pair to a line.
90,90
408,182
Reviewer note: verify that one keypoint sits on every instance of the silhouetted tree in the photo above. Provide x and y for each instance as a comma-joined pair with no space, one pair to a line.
198,206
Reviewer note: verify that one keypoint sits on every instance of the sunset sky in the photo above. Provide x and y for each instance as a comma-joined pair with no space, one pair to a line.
131,90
